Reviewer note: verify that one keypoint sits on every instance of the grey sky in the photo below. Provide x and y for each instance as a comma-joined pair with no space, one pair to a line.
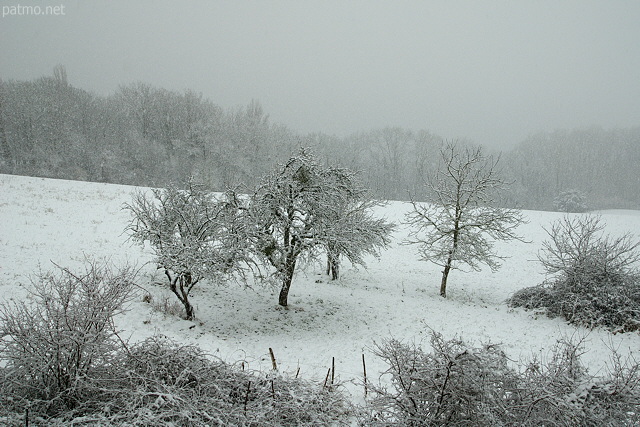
489,71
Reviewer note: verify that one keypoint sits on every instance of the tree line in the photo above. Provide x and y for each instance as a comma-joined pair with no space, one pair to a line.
145,135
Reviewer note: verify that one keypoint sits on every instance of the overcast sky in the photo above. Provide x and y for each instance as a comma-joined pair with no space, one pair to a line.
489,71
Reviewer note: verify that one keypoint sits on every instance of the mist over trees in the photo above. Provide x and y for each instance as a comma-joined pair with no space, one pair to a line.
600,164
145,135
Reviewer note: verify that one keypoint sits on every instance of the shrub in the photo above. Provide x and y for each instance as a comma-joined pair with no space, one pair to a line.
52,346
459,385
615,306
453,385
158,382
579,251
595,280
180,385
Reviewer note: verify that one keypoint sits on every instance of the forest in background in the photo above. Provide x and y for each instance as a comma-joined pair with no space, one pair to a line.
149,136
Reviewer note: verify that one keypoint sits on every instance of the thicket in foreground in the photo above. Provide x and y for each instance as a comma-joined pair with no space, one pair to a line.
595,279
62,363
459,385
52,348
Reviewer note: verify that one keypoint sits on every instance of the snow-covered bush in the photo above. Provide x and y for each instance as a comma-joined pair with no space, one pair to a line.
453,385
459,385
52,346
595,278
571,201
179,385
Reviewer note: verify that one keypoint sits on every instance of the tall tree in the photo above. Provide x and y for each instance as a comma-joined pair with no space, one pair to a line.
464,215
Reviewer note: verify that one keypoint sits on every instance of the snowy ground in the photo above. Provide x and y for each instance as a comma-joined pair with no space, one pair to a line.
44,221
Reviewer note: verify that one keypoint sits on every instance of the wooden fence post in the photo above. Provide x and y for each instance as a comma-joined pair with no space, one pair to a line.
326,378
364,368
333,369
273,359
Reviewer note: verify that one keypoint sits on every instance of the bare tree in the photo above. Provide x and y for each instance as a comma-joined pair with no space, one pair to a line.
463,217
296,212
193,235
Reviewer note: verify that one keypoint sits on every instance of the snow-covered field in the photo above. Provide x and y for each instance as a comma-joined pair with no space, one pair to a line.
44,221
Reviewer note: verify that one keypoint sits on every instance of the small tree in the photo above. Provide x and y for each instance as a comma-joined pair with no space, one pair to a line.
296,211
463,216
354,230
571,201
193,235
356,233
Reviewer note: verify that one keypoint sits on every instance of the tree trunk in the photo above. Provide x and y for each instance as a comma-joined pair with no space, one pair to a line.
183,282
333,267
447,267
286,280
188,308
445,274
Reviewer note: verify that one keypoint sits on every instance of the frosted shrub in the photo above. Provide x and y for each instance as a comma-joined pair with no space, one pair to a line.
159,383
595,280
459,385
174,384
51,346
454,384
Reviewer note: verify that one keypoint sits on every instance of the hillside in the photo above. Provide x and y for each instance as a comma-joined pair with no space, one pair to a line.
44,221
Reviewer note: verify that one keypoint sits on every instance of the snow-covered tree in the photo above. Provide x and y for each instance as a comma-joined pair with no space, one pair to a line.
573,201
296,212
355,232
463,217
194,236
